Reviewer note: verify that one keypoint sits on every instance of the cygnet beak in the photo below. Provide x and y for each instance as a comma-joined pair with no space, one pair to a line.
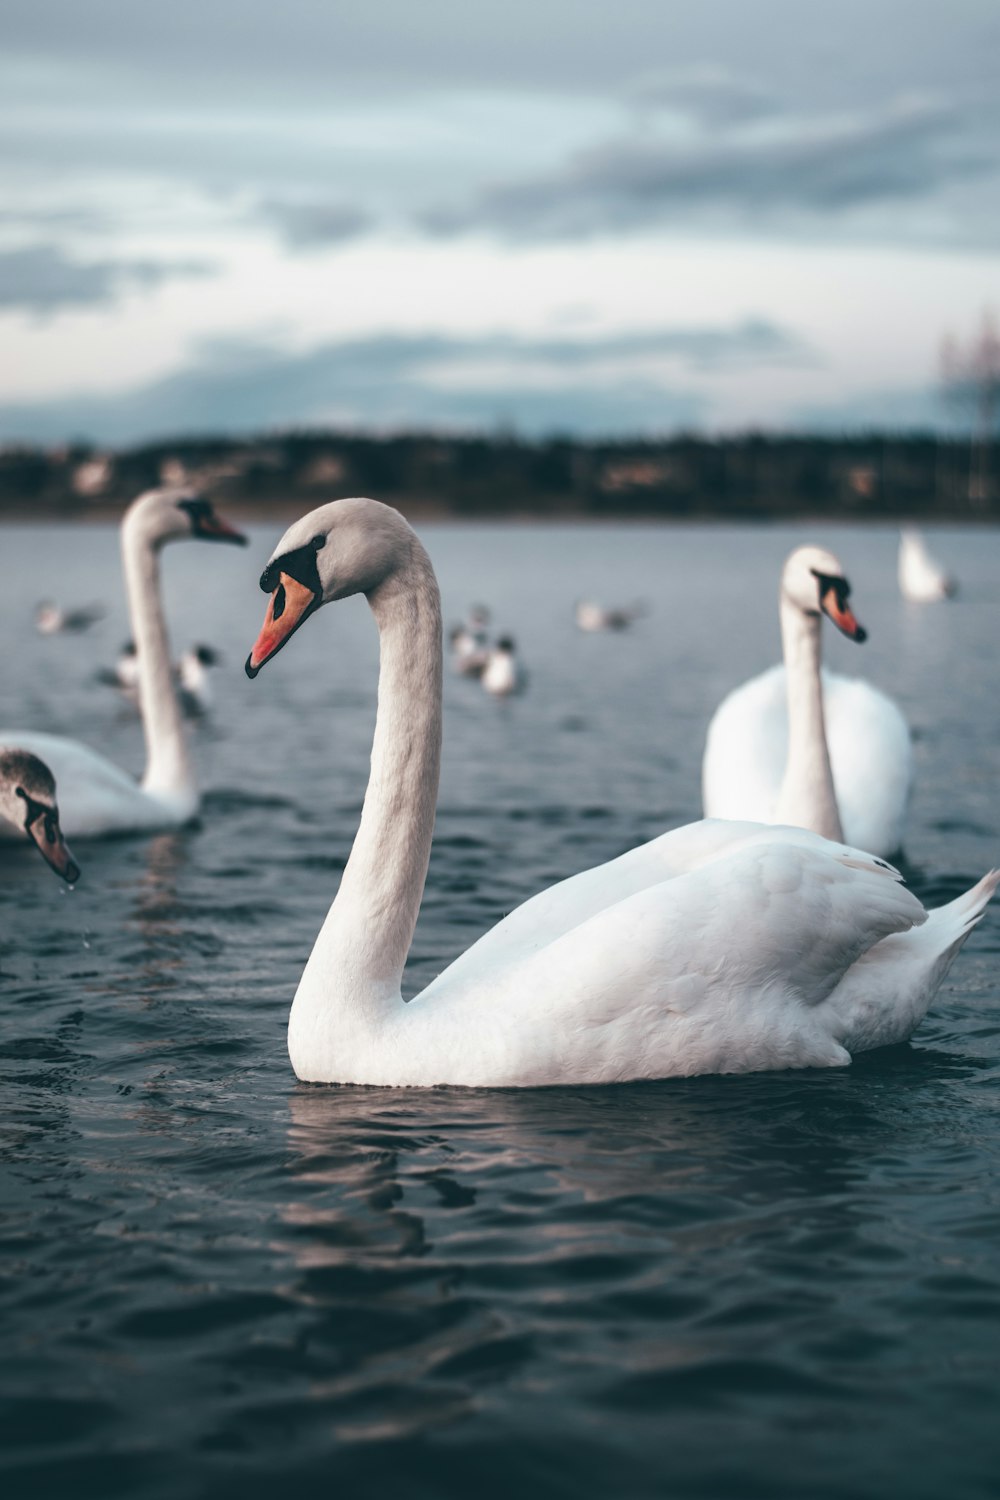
46,833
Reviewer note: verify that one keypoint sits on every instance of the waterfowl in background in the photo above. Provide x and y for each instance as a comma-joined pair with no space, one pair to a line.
470,643
97,796
593,617
804,746
503,673
191,676
721,947
28,808
194,680
922,579
51,620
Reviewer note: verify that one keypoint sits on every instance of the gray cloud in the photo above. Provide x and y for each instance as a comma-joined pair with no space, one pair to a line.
306,224
707,92
419,380
825,165
41,279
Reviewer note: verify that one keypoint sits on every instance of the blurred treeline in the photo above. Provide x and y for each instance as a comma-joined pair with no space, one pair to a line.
754,475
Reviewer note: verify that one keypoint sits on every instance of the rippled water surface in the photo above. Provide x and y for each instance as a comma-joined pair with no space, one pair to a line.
216,1280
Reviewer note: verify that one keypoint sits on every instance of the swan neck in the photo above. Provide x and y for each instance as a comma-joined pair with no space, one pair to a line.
807,798
168,775
361,952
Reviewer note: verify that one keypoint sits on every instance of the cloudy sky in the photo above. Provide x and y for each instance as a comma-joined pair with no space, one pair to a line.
608,217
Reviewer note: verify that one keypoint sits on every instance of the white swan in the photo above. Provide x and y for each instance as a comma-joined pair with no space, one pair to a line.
802,745
922,580
28,809
720,947
97,796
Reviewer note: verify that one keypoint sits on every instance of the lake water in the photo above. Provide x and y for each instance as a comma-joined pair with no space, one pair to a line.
217,1281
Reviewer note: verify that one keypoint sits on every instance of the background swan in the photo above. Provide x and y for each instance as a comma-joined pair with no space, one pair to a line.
97,796
802,745
28,809
922,579
721,947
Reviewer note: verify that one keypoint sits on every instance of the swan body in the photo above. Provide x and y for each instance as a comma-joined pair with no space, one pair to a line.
801,745
869,749
720,947
97,796
28,809
922,579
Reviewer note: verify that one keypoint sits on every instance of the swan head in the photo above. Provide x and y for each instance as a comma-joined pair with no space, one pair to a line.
28,800
813,580
176,514
343,548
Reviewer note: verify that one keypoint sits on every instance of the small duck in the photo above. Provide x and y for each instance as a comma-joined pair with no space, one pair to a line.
592,617
503,674
193,679
51,620
470,643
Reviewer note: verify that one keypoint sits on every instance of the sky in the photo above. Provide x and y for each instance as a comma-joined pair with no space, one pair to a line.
613,218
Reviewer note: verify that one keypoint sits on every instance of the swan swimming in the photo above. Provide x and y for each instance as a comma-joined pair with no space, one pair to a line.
717,948
922,579
97,796
28,807
805,746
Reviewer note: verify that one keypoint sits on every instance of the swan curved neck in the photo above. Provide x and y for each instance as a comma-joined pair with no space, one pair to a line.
169,775
356,966
807,798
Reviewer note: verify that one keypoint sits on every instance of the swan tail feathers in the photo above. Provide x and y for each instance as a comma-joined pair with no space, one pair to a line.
953,923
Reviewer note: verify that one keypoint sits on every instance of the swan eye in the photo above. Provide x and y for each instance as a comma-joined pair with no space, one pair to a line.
318,543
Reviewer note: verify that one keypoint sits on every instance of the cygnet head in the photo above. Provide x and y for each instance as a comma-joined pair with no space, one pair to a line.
813,580
28,800
345,547
175,514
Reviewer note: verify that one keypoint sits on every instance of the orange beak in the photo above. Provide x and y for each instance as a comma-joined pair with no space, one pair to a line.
843,616
290,604
214,529
53,850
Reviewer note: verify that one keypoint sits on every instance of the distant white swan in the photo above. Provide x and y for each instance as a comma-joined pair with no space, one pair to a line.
804,746
28,809
503,673
922,579
721,947
98,797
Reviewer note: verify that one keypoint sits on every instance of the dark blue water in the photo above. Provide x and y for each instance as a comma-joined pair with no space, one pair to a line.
217,1281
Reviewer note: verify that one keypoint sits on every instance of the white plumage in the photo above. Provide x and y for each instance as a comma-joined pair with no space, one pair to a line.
96,796
802,745
922,579
719,947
